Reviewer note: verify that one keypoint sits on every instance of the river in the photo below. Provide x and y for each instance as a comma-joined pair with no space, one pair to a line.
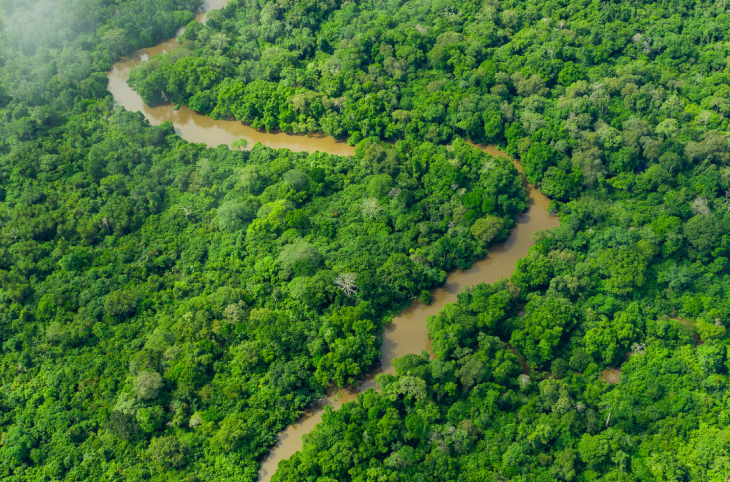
194,127
407,332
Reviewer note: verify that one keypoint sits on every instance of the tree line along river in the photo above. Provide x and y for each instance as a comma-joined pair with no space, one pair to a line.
407,332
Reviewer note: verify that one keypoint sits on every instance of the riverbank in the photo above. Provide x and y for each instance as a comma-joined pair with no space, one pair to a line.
407,332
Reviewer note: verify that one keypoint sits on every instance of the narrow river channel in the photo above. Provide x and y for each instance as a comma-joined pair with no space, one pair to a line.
194,127
407,333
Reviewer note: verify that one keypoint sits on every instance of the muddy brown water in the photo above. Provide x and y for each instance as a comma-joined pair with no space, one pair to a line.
407,332
611,375
194,127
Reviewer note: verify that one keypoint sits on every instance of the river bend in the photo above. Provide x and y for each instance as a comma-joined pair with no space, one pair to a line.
407,333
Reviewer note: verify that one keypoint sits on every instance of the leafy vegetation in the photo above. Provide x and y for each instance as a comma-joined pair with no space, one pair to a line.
173,306
617,112
578,90
629,280
53,52
167,308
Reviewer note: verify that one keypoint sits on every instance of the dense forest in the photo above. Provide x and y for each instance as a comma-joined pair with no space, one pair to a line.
167,308
250,280
579,90
628,280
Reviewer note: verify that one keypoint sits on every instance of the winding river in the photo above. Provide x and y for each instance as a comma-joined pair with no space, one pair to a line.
407,333
194,127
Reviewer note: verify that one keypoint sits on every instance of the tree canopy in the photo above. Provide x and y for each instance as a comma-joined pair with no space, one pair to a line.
167,308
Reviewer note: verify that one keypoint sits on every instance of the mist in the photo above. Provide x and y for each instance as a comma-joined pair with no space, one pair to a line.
53,50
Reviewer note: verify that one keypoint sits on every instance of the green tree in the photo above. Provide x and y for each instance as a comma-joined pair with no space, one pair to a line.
608,335
233,215
299,258
542,328
624,270
167,452
703,232
487,229
147,385
18,444
536,162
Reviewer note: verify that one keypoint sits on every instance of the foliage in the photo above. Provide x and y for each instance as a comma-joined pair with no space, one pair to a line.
175,306
166,309
487,229
581,92
602,291
55,52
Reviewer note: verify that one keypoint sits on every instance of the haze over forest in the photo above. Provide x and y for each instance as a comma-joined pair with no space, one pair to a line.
174,310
